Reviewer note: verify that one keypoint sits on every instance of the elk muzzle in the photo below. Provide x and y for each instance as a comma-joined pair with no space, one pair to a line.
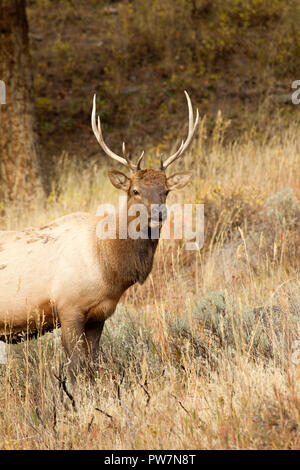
159,214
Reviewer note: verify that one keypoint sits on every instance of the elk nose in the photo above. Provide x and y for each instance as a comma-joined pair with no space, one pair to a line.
159,214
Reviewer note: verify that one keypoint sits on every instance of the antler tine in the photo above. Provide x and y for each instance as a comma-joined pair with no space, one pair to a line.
124,150
161,162
138,165
98,134
184,145
131,165
174,156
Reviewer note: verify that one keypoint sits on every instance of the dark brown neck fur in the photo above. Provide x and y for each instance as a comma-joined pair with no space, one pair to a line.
126,261
135,260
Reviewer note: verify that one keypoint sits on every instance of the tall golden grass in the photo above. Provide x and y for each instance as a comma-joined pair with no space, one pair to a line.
200,356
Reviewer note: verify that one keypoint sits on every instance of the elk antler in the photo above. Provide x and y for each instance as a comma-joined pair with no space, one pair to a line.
98,133
125,159
184,145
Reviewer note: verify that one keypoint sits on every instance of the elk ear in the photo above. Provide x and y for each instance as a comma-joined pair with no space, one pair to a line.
119,180
178,180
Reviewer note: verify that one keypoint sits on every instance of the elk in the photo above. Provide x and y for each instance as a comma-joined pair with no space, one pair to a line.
63,274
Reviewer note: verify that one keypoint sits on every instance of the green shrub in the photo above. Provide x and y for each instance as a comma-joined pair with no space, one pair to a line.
263,331
284,209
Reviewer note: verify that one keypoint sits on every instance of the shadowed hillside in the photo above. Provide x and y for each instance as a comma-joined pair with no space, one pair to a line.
237,56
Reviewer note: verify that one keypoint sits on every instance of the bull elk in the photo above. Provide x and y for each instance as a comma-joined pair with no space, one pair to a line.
64,274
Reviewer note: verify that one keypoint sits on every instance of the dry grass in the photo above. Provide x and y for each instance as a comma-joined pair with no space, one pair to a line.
200,355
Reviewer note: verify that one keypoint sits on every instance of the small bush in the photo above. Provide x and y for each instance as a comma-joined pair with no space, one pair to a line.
284,209
260,331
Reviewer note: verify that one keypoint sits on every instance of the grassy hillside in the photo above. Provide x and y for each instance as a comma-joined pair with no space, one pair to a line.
238,56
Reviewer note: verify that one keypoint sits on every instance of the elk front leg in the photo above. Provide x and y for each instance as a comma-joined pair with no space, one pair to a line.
93,331
75,344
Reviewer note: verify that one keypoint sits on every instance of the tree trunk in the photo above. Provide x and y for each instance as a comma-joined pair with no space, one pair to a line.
20,167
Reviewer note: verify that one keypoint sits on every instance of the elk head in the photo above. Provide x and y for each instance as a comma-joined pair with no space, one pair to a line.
148,186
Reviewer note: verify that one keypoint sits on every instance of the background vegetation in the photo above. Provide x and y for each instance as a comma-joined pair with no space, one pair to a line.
233,55
200,356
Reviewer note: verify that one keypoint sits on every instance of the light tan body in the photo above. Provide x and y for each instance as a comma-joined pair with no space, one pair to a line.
54,274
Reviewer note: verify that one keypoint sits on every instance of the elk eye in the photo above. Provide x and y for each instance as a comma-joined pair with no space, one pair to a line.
135,192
